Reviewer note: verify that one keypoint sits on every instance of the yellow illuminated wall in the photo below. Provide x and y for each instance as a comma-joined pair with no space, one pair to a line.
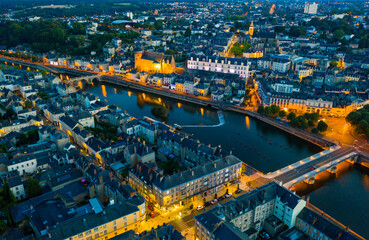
144,65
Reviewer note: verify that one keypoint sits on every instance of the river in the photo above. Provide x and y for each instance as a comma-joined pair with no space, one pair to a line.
344,197
260,145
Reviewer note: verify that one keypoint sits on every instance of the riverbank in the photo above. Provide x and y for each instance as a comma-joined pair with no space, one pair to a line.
203,101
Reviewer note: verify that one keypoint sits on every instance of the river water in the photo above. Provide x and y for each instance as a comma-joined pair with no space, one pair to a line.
260,145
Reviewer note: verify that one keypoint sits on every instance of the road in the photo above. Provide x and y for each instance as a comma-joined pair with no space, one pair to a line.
306,168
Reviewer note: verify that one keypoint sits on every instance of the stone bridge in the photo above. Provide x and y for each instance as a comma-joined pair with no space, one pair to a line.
88,79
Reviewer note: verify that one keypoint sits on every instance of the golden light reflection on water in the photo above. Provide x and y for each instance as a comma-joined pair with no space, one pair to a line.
202,111
179,105
247,120
115,90
80,84
103,90
129,93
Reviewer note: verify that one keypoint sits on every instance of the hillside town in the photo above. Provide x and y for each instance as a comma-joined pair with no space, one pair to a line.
74,166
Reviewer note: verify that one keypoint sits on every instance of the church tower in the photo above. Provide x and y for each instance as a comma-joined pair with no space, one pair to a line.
251,28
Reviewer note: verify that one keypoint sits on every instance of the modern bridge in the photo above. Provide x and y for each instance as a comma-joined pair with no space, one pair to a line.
308,168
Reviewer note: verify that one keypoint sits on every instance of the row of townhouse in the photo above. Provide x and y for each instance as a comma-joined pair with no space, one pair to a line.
181,187
294,101
238,66
272,208
186,148
74,130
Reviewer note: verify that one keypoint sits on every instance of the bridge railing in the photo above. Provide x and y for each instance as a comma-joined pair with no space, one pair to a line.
302,162
318,170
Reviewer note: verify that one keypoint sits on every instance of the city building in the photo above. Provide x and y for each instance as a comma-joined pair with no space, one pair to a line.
311,8
248,212
154,62
184,186
238,66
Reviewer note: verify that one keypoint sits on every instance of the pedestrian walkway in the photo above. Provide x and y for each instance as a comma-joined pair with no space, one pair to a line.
180,225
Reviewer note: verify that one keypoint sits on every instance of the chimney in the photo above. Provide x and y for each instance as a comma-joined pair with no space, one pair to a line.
215,164
192,172
147,149
101,179
135,149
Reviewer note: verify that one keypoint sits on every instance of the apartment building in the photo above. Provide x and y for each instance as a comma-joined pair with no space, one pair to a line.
180,187
249,211
290,98
238,66
23,164
101,223
317,225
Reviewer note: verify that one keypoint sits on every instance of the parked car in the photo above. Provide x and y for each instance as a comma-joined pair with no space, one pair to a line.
152,214
221,198
151,207
213,201
207,204
200,207
238,191
312,168
228,195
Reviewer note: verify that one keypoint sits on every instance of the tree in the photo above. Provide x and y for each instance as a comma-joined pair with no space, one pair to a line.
353,117
282,114
187,32
314,130
28,104
158,24
6,194
33,188
78,28
291,116
338,35
274,109
210,26
260,109
322,126
333,64
280,29
297,31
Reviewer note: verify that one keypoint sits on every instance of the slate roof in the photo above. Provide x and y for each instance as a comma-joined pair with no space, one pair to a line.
322,224
177,179
88,221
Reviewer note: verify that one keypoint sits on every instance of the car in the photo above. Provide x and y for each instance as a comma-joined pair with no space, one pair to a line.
207,204
152,214
312,168
228,195
221,198
200,207
238,191
213,201
151,207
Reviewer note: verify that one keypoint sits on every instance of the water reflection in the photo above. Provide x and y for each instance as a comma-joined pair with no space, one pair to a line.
256,143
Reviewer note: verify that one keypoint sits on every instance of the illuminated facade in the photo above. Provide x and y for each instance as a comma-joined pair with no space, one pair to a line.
105,224
238,66
182,187
154,62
